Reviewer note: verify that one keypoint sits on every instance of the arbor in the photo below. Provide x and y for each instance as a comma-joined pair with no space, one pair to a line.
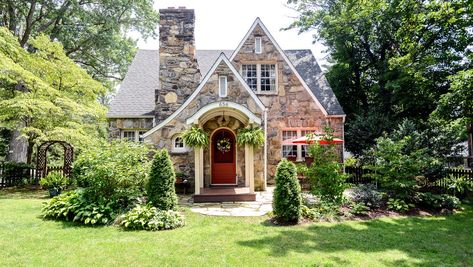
44,95
93,33
393,59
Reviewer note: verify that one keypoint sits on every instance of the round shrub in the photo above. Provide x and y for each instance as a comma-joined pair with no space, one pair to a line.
161,184
287,194
152,219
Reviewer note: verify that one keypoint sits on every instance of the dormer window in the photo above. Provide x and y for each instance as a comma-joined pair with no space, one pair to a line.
261,78
222,86
258,46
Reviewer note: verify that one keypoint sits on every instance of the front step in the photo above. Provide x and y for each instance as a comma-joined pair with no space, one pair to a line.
224,198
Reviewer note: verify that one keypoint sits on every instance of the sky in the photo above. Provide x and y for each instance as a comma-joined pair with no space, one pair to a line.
222,24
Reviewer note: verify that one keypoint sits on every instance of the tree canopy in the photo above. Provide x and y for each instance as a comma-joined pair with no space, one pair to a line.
393,59
93,33
46,95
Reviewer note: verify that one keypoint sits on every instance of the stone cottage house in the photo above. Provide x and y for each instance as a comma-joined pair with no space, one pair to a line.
166,91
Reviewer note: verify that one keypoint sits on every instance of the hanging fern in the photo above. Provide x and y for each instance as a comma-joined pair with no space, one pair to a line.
195,137
253,136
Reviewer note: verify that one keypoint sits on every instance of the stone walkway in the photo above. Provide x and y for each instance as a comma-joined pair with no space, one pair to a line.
260,207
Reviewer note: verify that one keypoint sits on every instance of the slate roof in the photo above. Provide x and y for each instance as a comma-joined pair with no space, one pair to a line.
135,96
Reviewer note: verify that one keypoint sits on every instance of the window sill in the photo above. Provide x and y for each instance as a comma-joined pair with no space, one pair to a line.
267,93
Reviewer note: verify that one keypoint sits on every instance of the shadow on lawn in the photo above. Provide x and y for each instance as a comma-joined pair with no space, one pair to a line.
427,241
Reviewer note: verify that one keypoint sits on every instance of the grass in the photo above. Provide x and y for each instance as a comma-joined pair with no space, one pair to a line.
27,240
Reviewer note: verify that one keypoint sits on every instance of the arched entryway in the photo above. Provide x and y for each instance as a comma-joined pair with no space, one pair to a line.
223,157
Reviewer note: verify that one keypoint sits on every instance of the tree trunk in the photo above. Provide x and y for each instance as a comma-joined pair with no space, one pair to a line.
18,148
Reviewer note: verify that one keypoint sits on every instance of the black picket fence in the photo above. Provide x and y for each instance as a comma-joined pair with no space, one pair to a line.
13,174
360,175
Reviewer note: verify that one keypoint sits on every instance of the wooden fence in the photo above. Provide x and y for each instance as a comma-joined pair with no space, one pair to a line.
359,175
14,175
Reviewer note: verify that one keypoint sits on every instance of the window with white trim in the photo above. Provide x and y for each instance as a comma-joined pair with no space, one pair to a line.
261,78
289,151
258,46
222,86
178,145
129,135
133,135
295,152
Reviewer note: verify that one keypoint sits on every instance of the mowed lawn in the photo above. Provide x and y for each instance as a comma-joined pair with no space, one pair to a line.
27,240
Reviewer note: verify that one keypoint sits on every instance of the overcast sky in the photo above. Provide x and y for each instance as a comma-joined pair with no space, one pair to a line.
221,24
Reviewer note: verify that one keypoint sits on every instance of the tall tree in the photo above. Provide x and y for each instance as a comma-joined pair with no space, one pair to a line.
393,58
46,95
93,33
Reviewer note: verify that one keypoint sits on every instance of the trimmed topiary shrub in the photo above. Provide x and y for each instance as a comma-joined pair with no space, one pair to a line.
161,190
287,195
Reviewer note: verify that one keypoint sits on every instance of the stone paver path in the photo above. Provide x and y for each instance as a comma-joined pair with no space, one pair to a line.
260,207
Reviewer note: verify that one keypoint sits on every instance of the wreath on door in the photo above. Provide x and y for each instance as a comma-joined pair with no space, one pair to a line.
224,145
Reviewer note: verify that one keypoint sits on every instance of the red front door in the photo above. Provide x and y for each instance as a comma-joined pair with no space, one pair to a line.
223,157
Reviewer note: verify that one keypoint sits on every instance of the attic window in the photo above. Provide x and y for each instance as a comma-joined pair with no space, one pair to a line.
258,47
261,78
222,81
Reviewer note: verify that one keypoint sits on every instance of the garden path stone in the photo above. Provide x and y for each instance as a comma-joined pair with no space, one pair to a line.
260,207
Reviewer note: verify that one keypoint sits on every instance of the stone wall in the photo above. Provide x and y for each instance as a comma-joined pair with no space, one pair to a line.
162,138
178,69
291,106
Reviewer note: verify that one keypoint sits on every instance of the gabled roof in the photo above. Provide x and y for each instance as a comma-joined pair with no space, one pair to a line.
221,59
322,107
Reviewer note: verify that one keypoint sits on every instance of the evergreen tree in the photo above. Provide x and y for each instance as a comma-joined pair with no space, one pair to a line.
162,179
287,199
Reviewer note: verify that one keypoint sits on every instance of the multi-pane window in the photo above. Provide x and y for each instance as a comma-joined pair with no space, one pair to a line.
133,135
250,75
288,135
261,78
295,152
129,135
268,78
289,151
178,145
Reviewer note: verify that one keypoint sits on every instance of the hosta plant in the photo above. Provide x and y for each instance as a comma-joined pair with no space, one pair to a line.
150,218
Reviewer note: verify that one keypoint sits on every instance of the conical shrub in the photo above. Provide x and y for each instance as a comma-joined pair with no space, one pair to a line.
287,199
160,188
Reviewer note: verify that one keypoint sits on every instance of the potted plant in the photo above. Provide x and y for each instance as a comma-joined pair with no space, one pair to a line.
54,182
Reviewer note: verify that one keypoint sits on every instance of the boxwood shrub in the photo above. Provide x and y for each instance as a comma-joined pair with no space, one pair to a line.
287,194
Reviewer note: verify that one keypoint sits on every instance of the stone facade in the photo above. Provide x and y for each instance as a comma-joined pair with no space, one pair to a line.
291,106
178,70
162,138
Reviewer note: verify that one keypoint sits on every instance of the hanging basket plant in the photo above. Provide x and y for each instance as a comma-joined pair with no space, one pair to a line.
195,137
253,136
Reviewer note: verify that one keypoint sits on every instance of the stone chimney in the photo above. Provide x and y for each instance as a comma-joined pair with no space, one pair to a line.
179,75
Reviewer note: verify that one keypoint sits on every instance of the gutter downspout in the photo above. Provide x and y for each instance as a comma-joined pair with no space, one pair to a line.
265,159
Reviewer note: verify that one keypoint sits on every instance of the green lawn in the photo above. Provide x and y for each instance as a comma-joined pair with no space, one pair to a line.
27,240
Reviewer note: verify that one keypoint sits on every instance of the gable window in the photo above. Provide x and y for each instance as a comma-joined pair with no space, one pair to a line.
261,78
222,80
258,47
